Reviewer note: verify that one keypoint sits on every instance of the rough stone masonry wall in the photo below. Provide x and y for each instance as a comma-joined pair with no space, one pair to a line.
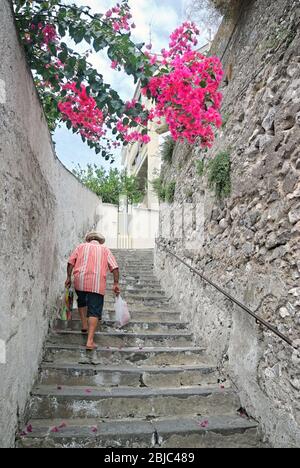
43,213
249,243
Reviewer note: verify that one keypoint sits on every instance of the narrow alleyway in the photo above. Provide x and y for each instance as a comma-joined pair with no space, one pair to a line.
147,385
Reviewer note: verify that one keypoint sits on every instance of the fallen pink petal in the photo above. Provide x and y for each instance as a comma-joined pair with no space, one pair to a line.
94,429
29,428
62,426
88,390
203,424
54,430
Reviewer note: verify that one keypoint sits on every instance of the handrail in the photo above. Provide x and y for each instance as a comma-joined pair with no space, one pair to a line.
242,306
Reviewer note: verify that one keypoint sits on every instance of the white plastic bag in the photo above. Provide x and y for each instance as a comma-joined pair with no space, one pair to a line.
122,313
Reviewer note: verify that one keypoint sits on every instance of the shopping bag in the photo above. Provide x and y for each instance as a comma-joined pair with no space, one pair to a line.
69,302
67,305
122,313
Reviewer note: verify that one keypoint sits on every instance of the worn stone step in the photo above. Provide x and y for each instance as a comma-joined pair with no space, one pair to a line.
146,315
132,327
123,356
150,301
130,376
122,338
148,269
141,314
222,431
120,402
125,281
140,294
151,280
138,275
134,300
138,289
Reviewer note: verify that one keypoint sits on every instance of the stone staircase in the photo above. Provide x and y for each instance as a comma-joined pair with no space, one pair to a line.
146,386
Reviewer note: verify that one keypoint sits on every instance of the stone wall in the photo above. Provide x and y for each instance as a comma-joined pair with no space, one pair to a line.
249,242
44,211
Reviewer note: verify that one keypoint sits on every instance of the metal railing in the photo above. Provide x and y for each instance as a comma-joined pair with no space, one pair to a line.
229,296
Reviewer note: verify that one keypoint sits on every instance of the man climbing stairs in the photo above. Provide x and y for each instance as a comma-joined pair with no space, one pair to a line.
147,385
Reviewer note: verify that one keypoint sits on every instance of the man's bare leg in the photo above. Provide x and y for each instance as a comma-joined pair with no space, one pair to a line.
84,320
93,323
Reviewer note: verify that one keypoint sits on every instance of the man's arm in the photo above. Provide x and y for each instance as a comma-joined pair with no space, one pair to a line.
68,282
114,269
116,286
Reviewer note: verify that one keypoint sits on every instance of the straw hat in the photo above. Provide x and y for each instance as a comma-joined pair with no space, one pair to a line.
97,236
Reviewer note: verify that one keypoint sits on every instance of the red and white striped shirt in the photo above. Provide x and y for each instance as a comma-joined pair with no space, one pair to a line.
91,262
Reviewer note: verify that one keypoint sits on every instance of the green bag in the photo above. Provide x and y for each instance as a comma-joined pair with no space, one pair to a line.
67,306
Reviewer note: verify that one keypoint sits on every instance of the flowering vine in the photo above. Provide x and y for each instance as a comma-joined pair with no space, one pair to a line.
185,91
181,83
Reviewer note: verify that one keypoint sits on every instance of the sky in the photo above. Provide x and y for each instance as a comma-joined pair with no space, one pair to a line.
159,16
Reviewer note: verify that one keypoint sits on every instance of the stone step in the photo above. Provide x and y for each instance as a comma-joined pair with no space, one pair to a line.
137,298
127,356
147,376
139,289
137,269
149,301
132,327
221,431
122,338
146,315
138,275
143,293
141,314
51,402
142,304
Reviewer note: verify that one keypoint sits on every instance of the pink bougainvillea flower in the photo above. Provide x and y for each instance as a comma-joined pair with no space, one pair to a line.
94,429
204,423
29,428
114,64
81,110
54,430
187,95
23,434
49,34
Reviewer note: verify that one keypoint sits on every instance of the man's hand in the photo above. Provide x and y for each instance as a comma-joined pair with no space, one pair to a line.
116,289
68,283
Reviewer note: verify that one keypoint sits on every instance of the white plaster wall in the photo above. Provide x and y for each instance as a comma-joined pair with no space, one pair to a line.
108,224
143,228
44,212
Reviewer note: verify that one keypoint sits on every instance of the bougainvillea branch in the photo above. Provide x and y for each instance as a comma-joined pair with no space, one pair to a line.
183,85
